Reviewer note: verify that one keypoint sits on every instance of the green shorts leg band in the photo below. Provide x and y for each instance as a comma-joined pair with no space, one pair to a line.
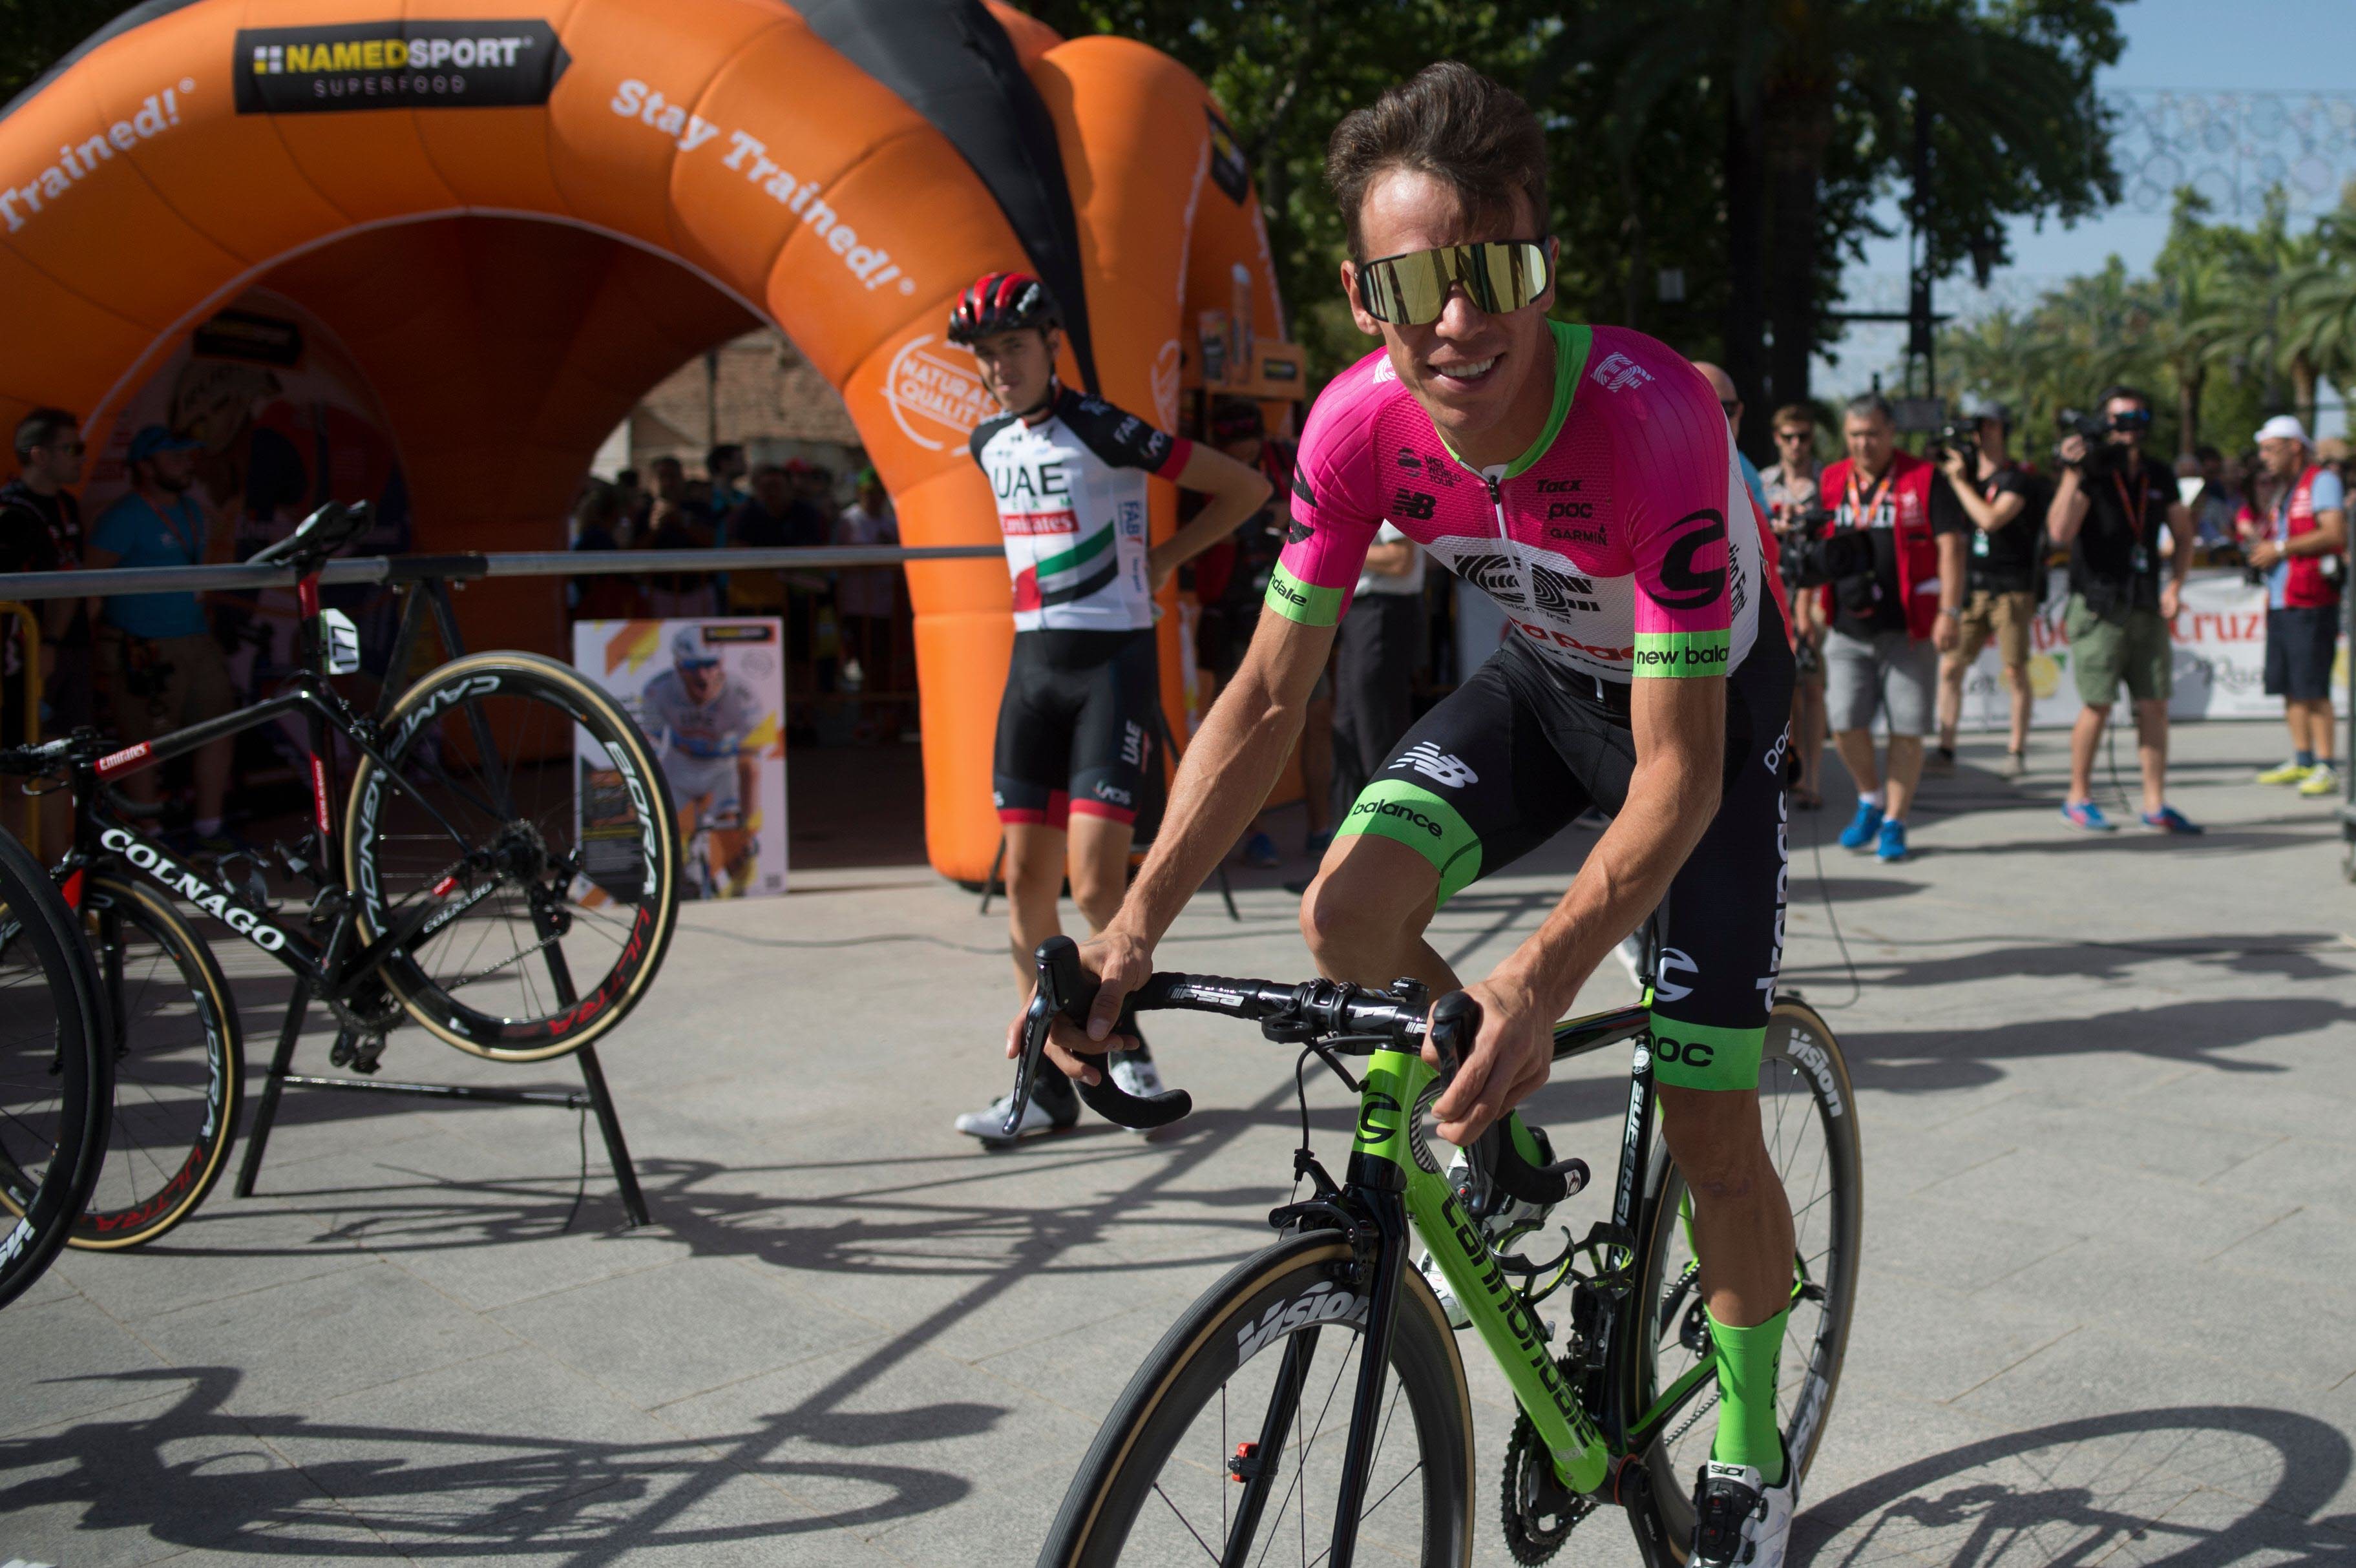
1706,1056
1393,808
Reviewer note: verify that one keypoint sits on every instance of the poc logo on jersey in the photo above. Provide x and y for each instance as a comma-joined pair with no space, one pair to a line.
1426,758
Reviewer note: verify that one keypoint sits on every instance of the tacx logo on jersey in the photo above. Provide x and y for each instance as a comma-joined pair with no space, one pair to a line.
1426,758
1673,961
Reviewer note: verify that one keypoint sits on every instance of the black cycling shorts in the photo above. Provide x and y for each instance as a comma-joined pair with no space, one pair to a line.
1076,725
1508,759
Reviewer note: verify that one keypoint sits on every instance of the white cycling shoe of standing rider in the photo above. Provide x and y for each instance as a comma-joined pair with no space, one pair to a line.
1740,1521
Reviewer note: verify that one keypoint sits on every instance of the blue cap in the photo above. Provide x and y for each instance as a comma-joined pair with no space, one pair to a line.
155,438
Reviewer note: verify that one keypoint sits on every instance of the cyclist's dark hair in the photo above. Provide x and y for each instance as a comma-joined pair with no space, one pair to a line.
1451,123
40,428
1872,405
2121,390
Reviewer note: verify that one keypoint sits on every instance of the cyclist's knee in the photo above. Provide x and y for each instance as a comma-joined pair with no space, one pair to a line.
1713,1134
1357,910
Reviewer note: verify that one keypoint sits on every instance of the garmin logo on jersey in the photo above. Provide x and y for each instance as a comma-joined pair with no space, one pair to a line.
1404,812
1575,535
1685,583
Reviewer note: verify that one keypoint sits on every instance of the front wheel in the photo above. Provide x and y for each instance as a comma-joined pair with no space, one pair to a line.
524,807
1228,1443
1807,1114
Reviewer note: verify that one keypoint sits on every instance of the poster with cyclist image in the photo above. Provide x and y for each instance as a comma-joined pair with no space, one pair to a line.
710,696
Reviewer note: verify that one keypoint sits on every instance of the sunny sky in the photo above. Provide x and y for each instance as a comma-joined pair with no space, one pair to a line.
2276,46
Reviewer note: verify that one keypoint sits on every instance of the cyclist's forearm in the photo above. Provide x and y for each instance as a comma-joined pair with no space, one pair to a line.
1222,782
1670,805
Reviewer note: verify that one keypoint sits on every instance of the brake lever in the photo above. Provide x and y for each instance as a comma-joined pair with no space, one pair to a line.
1066,988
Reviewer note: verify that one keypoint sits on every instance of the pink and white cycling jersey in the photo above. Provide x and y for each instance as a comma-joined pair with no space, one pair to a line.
1622,543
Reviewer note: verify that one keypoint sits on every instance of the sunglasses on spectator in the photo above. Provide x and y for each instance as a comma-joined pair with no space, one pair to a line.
1411,289
1802,433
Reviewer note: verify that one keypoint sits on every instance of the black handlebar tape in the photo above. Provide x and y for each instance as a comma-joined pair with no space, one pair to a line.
1071,990
1455,1020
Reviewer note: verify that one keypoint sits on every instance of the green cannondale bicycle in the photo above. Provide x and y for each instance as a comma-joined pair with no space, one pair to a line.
1314,1400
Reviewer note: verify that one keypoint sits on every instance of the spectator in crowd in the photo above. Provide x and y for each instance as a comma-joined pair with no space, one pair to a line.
867,598
674,523
157,659
2217,504
596,527
2110,508
1892,614
636,503
1375,651
40,530
2002,514
772,517
2300,542
723,470
1731,401
2334,452
1790,487
1231,577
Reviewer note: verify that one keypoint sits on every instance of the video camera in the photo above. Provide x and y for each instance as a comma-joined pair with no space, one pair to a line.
1815,554
2103,455
1962,435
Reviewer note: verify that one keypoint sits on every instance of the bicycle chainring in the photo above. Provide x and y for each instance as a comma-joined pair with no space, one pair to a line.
1539,1513
371,1008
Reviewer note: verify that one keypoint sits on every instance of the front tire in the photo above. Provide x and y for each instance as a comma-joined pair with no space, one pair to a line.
1156,1486
1808,1111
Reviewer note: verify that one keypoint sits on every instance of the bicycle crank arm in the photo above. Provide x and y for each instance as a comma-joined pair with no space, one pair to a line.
1631,1487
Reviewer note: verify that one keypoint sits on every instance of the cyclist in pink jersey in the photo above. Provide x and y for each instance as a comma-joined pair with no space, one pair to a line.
1584,478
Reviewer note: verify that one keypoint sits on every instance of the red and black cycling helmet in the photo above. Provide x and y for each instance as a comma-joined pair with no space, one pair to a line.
1003,302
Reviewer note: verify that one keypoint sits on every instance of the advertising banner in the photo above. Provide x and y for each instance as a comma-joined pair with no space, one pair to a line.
2219,671
710,696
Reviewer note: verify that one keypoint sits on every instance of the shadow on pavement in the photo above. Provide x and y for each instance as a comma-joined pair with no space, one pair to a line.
2192,1484
1919,1061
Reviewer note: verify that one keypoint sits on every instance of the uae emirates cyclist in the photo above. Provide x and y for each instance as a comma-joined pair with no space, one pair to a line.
1077,724
1584,478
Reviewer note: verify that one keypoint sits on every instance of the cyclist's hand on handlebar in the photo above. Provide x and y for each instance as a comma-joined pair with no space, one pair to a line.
1120,963
1511,1058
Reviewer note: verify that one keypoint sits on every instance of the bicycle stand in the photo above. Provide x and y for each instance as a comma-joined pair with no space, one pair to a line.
593,1096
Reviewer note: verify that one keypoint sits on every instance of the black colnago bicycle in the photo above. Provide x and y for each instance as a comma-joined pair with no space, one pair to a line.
57,1078
1314,1401
505,874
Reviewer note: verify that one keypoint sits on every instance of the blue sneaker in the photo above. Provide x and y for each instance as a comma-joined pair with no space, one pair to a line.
1259,852
1862,827
2168,820
1891,845
2088,817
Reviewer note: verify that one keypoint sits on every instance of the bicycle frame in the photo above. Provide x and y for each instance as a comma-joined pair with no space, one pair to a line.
1584,1422
333,966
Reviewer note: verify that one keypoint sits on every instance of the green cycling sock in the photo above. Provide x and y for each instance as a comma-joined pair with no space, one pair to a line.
1747,1433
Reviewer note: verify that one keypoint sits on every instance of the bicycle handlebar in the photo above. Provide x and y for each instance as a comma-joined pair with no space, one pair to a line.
1310,1012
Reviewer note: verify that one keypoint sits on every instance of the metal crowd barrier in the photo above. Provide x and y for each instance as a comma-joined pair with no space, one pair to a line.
471,567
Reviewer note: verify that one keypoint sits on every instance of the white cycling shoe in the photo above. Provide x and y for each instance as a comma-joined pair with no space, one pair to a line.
989,1124
1502,1229
1739,1521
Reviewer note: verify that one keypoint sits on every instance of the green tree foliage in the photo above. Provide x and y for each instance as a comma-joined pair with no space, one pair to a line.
1742,143
2234,324
35,34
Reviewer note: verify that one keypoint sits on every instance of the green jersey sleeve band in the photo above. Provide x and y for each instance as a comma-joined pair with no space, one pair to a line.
1682,653
1394,808
1305,603
1706,1056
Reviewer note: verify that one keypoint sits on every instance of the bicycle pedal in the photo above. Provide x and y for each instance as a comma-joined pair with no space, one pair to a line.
369,1056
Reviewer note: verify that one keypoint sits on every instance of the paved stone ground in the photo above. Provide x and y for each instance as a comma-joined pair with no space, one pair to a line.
2108,1313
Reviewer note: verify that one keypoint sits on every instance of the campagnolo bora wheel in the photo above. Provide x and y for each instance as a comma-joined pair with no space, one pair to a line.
1808,1114
1161,1485
534,806
179,1066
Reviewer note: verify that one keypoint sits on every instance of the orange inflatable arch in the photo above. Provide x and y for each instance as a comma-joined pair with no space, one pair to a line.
519,215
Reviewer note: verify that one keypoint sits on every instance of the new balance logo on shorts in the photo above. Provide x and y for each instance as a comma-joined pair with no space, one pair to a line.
1426,758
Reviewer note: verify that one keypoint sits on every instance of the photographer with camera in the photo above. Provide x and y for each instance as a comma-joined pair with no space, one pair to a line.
2295,542
2111,507
1892,574
1996,499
